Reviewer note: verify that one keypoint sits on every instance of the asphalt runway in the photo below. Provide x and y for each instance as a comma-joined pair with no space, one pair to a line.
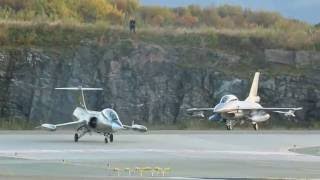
170,155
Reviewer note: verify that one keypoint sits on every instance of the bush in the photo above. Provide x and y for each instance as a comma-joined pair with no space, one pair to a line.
119,11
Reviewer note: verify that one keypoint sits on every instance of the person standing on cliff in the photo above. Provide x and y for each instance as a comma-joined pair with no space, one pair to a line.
132,25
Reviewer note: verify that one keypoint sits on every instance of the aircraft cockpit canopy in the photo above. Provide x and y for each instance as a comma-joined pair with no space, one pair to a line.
228,98
111,115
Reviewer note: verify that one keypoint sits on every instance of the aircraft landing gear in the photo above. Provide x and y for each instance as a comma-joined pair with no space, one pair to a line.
76,137
111,137
229,125
81,131
255,126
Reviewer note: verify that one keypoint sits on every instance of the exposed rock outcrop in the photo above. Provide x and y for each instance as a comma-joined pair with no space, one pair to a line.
147,82
309,59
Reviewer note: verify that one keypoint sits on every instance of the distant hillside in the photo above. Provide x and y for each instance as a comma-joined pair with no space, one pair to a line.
297,9
119,11
99,14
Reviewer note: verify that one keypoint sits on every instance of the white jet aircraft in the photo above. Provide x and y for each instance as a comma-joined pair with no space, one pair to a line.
231,109
105,122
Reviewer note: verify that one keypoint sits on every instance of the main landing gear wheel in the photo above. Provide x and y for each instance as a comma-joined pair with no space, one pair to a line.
255,126
81,131
229,127
106,139
76,137
111,137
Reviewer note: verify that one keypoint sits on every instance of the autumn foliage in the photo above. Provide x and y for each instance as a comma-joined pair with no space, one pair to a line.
119,11
226,20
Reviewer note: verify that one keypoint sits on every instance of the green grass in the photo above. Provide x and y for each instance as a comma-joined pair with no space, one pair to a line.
16,124
23,33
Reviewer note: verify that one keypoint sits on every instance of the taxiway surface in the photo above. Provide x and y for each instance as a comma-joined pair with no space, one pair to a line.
191,154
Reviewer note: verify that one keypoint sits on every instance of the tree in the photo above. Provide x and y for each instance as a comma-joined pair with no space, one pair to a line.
16,5
264,19
93,10
228,10
128,7
156,15
211,17
188,20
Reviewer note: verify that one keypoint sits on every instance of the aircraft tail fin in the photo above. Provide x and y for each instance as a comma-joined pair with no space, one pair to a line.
253,95
81,89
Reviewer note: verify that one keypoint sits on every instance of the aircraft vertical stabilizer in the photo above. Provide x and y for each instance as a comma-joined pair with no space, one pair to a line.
253,95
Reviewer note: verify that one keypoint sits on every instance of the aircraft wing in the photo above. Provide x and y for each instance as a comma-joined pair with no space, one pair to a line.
136,127
281,109
53,127
200,109
270,109
286,111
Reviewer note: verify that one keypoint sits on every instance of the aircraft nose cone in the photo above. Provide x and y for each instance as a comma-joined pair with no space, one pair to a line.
219,108
116,126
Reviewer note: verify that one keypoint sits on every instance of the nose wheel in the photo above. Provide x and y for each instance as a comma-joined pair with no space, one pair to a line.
229,125
255,126
76,137
108,137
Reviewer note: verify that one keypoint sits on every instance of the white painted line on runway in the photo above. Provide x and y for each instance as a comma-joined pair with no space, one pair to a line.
185,151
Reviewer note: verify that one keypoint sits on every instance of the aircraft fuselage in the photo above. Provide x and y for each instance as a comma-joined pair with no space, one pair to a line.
235,110
106,121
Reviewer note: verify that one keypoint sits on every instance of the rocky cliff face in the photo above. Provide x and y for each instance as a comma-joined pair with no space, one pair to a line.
148,82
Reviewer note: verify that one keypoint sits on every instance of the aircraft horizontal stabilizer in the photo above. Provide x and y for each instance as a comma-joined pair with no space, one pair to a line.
79,88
